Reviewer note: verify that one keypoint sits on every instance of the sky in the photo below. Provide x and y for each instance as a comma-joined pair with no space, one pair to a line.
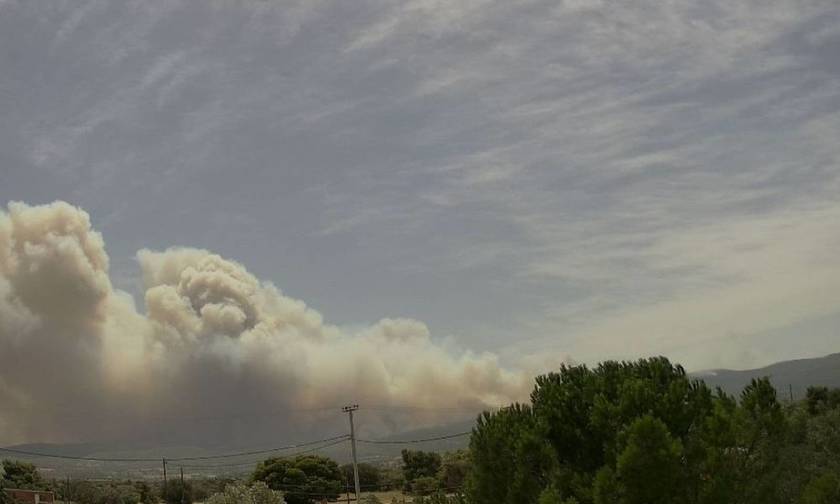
536,181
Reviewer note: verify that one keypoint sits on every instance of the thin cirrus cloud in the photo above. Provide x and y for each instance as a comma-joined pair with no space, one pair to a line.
579,178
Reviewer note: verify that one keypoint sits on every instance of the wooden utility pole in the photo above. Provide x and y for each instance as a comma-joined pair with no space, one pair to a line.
346,488
349,410
182,486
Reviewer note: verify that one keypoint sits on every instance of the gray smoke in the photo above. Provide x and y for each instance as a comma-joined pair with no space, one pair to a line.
216,356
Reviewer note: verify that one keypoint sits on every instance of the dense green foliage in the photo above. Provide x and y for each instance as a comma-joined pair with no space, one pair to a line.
453,470
110,492
440,498
303,479
370,476
175,492
204,488
645,433
255,493
419,467
17,474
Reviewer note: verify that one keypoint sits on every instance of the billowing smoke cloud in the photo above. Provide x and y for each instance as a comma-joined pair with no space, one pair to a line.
216,354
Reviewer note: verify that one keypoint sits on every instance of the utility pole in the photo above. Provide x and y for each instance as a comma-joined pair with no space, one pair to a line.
349,410
182,486
164,474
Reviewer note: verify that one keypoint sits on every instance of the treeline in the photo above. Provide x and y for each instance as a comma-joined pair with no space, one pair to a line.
309,478
23,475
645,433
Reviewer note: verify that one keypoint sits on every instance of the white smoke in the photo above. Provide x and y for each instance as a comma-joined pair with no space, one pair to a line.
215,354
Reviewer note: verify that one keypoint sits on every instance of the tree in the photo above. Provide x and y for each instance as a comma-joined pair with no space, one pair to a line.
760,430
453,470
571,438
645,433
424,485
110,492
176,492
420,464
816,398
145,493
649,468
510,459
17,474
369,475
255,493
824,489
302,479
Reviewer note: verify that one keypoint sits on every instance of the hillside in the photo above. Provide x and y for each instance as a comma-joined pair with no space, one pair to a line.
794,375
383,449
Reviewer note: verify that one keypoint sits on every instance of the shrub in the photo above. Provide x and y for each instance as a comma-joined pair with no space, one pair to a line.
256,493
175,492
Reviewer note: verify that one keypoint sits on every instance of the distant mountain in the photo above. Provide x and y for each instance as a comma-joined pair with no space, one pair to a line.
794,375
372,452
376,449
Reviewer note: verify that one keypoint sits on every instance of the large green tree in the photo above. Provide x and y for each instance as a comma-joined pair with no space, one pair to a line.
635,432
370,476
302,479
420,470
420,464
511,462
176,492
17,474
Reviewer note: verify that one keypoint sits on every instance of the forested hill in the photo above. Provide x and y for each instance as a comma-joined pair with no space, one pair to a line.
796,374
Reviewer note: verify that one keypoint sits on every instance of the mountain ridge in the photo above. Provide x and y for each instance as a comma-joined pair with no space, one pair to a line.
791,377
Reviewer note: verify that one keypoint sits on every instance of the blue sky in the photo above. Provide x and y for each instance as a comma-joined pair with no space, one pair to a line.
543,180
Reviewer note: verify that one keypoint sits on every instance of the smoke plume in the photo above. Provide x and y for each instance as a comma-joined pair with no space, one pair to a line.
216,355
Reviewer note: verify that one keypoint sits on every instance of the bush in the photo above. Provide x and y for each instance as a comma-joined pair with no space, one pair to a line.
175,492
257,493
370,476
454,470
17,474
425,485
203,488
306,477
86,492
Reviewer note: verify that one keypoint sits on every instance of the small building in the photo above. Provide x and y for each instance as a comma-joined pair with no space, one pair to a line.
29,496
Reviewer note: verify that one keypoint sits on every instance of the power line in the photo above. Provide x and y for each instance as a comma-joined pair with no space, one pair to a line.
243,464
259,452
414,441
71,457
409,408
169,459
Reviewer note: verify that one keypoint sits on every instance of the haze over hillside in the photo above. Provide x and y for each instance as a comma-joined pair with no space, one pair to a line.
798,374
795,375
